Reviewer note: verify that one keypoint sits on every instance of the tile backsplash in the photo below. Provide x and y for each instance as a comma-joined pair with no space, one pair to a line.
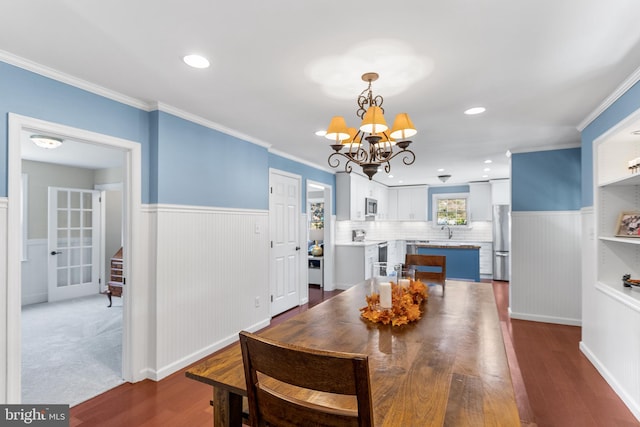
479,231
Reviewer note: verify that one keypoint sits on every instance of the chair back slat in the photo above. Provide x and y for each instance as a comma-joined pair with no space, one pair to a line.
429,268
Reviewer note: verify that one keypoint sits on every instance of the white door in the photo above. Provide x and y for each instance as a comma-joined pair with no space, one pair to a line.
74,219
284,217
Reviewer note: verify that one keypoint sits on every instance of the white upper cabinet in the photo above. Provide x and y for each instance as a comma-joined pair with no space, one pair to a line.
350,196
351,192
501,192
480,201
412,203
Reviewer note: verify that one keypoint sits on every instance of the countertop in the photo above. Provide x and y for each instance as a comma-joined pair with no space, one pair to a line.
448,246
365,243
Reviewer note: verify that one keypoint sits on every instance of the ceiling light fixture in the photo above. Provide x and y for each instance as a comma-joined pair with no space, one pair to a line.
374,131
444,178
196,61
44,141
475,110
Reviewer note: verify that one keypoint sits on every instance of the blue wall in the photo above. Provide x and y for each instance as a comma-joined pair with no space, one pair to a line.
307,173
628,103
30,94
182,162
546,180
443,190
203,167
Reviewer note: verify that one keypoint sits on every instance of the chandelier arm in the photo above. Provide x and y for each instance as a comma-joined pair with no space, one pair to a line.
408,159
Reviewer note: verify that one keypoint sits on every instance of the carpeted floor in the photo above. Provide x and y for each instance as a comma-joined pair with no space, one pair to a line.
71,350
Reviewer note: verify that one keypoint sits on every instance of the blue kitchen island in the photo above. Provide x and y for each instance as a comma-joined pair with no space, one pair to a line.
463,261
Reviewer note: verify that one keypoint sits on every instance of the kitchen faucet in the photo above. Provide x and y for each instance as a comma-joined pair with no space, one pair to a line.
448,229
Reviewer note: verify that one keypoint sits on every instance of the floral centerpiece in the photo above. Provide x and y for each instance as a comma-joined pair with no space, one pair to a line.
405,304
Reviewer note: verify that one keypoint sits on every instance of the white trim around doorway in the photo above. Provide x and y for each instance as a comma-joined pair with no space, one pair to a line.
134,363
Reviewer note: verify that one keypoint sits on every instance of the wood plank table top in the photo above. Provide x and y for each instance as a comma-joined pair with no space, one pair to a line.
448,368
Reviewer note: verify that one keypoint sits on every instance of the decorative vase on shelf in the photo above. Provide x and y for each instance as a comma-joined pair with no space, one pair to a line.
316,234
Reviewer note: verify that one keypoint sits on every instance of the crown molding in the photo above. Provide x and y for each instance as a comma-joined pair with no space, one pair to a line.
546,148
208,124
34,67
620,90
303,161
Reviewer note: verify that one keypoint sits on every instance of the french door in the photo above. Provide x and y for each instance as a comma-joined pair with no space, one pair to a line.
74,219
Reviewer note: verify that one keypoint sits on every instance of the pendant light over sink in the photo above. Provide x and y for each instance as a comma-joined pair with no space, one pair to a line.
382,144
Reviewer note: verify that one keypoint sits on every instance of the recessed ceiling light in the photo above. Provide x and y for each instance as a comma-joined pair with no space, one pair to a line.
321,132
441,170
196,61
390,176
487,169
508,153
485,176
488,161
400,182
475,110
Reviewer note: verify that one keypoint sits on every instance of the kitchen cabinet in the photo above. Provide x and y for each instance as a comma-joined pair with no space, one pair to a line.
463,260
352,190
485,253
486,258
380,192
412,203
354,263
480,201
500,192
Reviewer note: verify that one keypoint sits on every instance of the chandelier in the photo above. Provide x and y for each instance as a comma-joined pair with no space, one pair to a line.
381,145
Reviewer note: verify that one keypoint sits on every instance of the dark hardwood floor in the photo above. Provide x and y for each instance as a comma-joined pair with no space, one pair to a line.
555,384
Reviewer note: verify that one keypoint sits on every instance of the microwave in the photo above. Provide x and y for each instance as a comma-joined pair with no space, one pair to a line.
371,206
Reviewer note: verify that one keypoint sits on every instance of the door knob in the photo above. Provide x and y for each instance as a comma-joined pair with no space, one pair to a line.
297,248
55,252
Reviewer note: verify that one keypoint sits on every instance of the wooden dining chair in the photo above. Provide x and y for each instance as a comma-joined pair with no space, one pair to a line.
292,386
434,268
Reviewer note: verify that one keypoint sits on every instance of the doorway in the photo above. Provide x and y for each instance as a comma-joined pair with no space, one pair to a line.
319,204
130,158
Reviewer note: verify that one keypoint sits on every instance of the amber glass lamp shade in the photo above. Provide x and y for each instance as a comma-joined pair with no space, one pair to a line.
373,121
337,130
403,127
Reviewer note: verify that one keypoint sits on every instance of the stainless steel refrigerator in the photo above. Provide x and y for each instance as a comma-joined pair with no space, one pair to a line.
501,242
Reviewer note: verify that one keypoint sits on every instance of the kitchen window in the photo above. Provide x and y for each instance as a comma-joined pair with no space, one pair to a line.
451,209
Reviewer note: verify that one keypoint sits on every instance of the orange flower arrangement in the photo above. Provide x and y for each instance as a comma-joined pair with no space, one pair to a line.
405,305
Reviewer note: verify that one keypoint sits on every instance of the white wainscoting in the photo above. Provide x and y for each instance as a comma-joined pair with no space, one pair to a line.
3,300
610,337
546,267
211,265
34,272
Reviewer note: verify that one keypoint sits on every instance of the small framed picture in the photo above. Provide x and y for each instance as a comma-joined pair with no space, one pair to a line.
628,224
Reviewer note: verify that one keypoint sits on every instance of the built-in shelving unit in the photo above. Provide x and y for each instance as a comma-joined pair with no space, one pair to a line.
617,191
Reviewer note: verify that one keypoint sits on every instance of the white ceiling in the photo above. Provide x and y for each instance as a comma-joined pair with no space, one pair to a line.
280,69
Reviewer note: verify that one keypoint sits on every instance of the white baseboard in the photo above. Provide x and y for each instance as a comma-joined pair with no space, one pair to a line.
157,375
632,404
545,319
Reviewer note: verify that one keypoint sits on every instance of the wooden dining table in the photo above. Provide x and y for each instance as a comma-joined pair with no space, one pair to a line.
448,368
